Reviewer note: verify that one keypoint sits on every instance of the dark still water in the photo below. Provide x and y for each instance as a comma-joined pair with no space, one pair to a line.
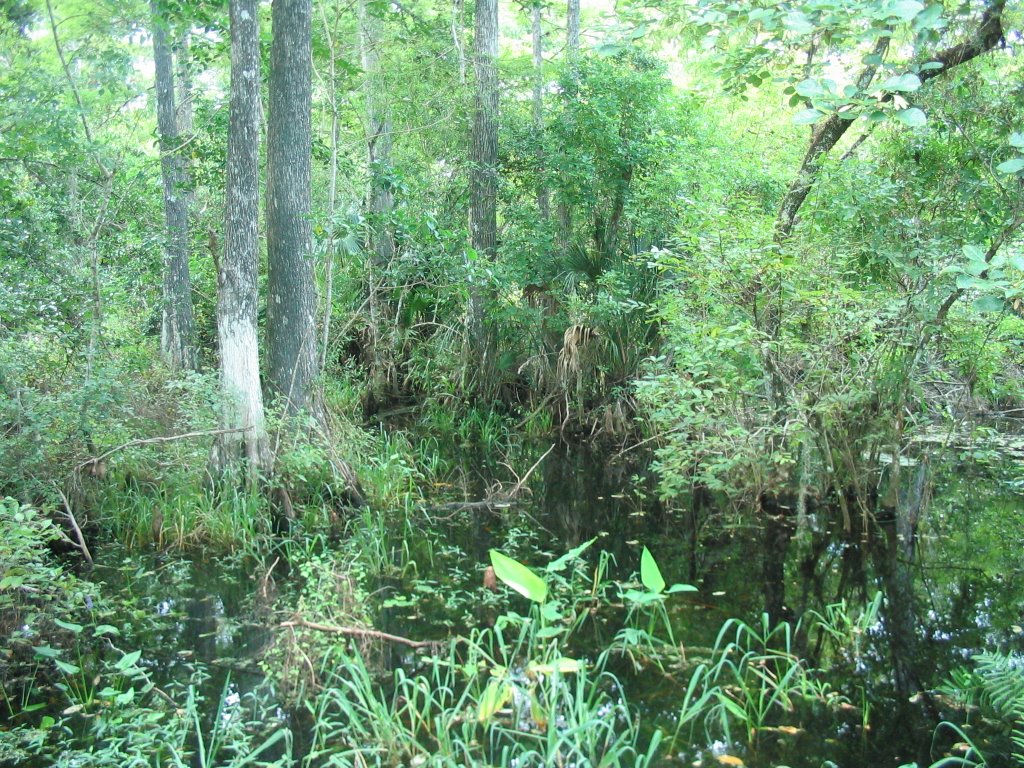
832,647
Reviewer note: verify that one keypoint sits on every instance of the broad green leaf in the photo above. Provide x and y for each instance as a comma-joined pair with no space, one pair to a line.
681,588
797,22
127,661
931,65
1017,140
1011,166
807,117
968,282
70,626
905,10
974,253
650,574
903,83
913,117
519,577
67,667
557,565
989,304
929,17
46,651
105,629
809,88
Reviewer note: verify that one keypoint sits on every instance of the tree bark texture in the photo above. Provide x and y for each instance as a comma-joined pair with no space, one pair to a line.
291,300
543,195
237,278
177,328
572,26
572,52
380,198
483,177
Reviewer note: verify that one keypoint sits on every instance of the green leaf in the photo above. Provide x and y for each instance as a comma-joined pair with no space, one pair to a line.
903,83
928,18
497,694
46,651
559,564
519,577
809,88
1017,140
67,667
913,117
905,10
1011,166
931,65
105,629
128,661
989,304
650,574
70,626
807,117
797,22
681,588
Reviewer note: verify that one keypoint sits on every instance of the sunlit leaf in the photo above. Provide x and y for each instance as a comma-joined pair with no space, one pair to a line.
903,83
519,577
650,574
989,304
496,695
807,117
681,588
913,117
1011,166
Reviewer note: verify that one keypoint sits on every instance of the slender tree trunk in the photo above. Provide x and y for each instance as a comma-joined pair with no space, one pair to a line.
460,49
185,114
572,53
483,178
332,188
177,326
380,198
543,196
239,269
572,28
291,300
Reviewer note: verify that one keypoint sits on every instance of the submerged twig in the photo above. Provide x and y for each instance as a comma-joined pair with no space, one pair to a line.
357,632
522,481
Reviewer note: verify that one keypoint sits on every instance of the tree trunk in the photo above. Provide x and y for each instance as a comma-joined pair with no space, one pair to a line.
483,178
543,196
572,52
291,300
239,270
379,198
177,325
572,26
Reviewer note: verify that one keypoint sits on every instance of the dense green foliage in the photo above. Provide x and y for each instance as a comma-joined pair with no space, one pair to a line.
777,244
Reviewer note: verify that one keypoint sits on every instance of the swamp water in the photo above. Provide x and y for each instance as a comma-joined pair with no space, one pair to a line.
874,620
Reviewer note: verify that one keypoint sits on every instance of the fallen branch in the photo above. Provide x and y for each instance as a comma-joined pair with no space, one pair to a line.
74,526
522,481
357,632
153,440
